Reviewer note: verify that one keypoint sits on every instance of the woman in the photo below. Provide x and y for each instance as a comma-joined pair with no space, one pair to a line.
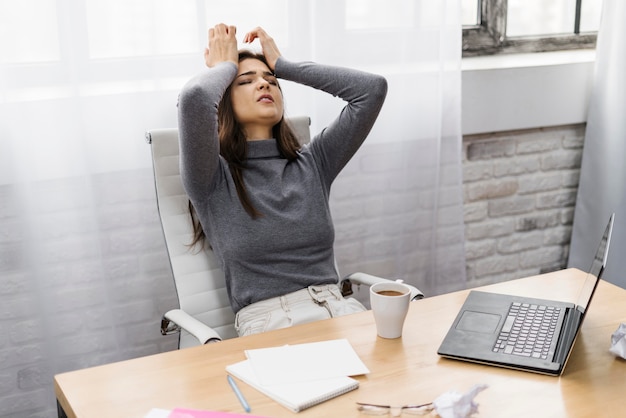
260,198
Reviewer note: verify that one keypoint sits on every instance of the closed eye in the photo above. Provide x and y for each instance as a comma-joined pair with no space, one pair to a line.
248,77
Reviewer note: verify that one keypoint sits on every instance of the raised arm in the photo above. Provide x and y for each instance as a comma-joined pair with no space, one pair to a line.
364,93
197,111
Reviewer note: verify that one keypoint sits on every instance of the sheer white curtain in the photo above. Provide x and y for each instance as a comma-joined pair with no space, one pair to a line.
602,187
398,206
84,273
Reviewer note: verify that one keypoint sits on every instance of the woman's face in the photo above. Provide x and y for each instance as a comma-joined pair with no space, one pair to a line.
256,98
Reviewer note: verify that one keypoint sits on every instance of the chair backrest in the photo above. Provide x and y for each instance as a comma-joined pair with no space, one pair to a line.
198,278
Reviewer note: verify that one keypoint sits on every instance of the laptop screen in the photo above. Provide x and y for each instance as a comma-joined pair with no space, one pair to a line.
596,269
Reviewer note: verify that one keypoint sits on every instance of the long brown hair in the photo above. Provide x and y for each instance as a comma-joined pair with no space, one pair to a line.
234,149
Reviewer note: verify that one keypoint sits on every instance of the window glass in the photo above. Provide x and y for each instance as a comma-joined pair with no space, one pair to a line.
28,31
123,28
271,15
540,17
470,15
531,26
374,14
590,15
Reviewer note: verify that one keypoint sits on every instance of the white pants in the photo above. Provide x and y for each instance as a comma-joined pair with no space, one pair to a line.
307,305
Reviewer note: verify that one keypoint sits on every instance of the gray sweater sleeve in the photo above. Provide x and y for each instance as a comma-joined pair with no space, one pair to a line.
365,94
197,127
333,147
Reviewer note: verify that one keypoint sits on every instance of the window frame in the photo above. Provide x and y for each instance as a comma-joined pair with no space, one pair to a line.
489,37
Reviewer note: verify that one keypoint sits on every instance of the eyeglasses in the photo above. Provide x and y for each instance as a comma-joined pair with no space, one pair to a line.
395,411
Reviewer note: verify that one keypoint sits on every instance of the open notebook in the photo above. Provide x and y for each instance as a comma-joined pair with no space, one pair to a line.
291,376
295,396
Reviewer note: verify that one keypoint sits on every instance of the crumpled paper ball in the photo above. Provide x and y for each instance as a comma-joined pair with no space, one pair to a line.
458,405
618,341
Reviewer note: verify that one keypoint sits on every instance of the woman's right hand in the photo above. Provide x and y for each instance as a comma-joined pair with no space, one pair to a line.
222,45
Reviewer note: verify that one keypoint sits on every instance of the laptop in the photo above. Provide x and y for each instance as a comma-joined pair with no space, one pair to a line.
534,335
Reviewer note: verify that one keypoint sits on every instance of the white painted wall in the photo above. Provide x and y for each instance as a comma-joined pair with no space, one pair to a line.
521,91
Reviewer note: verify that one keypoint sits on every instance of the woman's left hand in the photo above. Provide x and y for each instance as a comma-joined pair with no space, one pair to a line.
268,46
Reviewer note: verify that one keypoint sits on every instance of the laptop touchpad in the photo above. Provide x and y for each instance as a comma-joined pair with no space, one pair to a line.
478,322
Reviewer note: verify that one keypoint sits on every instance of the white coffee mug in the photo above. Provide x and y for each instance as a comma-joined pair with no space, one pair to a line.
390,304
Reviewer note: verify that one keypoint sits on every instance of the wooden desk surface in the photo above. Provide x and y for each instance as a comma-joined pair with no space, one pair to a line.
403,371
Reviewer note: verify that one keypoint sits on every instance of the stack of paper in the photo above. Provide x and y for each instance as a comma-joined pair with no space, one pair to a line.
300,376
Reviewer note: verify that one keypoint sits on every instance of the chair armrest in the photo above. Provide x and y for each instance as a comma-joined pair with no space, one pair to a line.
182,320
368,280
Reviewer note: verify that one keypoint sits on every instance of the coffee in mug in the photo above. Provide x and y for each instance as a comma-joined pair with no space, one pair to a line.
390,304
390,293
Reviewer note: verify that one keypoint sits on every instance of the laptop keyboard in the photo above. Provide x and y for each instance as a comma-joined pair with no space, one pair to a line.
528,330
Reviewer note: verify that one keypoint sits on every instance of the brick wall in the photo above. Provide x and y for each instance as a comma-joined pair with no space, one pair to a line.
90,252
519,193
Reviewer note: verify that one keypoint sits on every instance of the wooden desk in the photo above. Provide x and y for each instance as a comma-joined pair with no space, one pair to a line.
406,370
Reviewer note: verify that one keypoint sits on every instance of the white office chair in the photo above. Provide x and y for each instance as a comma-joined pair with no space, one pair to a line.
205,314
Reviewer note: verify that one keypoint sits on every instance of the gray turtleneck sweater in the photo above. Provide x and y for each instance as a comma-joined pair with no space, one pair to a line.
290,246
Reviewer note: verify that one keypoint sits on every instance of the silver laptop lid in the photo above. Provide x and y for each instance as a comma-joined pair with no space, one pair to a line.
597,268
